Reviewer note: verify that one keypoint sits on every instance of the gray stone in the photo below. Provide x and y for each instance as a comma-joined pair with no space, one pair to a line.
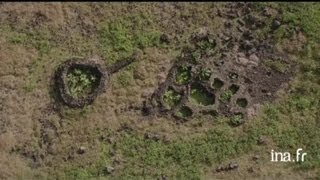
266,12
251,112
235,48
254,58
109,169
238,13
201,33
219,168
241,54
276,24
262,141
240,29
243,61
253,27
161,78
226,38
155,137
256,157
82,150
111,140
147,93
247,45
233,165
253,50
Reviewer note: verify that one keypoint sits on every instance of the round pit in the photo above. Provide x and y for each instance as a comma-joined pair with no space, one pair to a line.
79,81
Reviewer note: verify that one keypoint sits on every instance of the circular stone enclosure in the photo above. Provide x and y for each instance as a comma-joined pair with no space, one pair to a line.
80,81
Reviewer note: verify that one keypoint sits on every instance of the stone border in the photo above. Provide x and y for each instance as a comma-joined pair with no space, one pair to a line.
61,81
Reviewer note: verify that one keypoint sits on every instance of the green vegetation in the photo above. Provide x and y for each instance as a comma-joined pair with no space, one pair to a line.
183,75
226,96
206,45
18,38
303,15
125,78
81,82
119,39
201,96
93,171
236,119
212,113
277,65
181,159
204,74
171,98
217,83
292,122
196,55
184,112
38,40
242,102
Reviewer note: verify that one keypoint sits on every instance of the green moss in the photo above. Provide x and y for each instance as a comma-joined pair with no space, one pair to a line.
217,83
277,65
196,55
226,96
201,96
204,74
81,82
242,102
184,112
236,119
183,75
206,45
18,38
121,37
171,98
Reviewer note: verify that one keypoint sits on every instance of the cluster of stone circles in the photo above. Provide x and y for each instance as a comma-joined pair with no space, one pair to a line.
61,81
238,80
220,78
220,73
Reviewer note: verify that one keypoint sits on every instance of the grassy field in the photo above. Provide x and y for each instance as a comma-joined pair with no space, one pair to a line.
36,37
